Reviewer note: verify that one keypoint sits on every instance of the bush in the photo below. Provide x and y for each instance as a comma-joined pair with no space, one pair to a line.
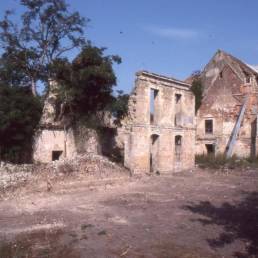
197,90
20,113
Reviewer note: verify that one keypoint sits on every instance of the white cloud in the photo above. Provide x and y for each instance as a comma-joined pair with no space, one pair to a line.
173,33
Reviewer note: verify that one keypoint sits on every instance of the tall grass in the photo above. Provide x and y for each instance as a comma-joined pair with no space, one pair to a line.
220,161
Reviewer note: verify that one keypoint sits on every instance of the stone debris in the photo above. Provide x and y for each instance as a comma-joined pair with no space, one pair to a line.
88,164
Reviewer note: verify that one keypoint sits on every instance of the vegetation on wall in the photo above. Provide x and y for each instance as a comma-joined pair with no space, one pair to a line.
197,90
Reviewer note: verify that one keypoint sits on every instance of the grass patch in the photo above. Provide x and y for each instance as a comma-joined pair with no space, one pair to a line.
220,161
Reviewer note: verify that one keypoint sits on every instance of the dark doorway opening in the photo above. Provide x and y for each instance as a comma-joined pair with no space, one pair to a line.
154,153
210,149
178,147
56,155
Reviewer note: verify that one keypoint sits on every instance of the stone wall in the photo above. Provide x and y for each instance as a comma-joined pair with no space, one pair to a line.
68,142
57,137
150,140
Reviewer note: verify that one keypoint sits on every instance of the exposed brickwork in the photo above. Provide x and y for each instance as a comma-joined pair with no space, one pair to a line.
226,81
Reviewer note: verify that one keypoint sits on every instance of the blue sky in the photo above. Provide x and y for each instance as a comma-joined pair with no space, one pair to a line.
173,38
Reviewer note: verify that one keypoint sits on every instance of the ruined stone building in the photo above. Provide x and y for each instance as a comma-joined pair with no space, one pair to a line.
56,138
160,132
227,118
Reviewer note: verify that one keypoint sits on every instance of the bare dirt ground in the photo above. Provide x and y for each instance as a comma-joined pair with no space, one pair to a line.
189,215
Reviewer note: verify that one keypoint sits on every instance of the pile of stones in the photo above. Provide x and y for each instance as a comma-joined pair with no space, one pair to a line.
87,164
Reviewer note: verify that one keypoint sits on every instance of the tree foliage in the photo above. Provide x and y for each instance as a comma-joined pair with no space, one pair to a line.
20,112
119,106
47,30
86,84
197,90
36,51
10,73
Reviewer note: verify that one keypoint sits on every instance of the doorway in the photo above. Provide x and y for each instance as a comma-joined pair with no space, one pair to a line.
154,140
210,148
178,148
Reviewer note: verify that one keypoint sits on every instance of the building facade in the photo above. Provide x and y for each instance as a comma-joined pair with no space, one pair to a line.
160,131
227,118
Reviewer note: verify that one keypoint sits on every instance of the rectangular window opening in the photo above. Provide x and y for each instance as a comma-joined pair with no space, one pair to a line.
210,149
56,155
209,126
153,105
178,98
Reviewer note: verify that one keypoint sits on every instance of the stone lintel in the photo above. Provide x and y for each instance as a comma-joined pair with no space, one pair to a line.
166,81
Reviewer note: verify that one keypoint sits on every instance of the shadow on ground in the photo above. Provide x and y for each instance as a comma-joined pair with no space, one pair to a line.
239,221
39,244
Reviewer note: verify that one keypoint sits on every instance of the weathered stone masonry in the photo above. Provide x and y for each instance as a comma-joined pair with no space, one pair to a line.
56,138
227,82
161,125
161,132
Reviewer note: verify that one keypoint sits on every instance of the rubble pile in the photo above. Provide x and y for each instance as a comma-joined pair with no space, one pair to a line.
84,165
12,174
91,164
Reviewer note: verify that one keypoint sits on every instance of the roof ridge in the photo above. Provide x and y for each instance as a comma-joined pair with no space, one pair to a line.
240,62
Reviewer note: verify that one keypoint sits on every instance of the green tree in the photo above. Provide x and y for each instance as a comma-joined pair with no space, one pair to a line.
119,106
48,30
20,112
86,84
10,74
197,88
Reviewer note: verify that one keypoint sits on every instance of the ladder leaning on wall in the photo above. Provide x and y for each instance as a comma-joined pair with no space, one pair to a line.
236,129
